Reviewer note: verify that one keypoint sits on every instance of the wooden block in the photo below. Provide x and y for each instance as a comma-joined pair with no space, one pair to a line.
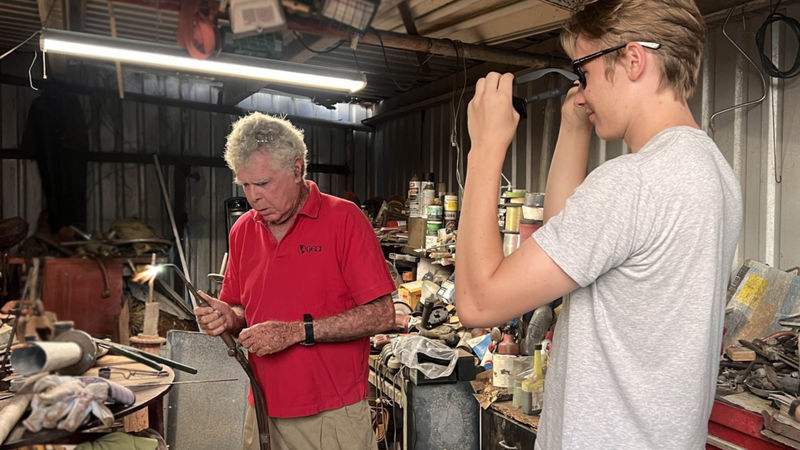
124,323
150,319
740,354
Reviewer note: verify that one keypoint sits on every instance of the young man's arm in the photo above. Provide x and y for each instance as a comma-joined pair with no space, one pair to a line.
491,289
363,320
570,158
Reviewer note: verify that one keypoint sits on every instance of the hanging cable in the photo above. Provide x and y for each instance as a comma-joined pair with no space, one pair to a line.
319,52
30,68
763,81
771,69
456,110
20,44
386,62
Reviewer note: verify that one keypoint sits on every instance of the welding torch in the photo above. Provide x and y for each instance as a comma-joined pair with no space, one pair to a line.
520,103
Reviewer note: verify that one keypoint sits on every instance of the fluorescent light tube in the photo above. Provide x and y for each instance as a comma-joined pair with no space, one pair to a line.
173,57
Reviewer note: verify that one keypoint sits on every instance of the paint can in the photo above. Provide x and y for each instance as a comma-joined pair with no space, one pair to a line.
427,194
434,211
513,216
451,203
533,209
414,198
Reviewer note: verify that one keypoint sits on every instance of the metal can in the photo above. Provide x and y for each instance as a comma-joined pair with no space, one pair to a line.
513,215
434,212
450,202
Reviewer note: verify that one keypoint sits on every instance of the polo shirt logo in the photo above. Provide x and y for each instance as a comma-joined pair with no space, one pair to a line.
305,249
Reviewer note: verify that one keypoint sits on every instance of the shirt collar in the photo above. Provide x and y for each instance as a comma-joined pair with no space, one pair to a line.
310,207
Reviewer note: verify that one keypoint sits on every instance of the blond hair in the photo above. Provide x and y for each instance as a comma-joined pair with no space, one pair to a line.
675,24
258,132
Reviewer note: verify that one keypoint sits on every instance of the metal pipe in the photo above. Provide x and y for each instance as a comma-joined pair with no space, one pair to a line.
175,233
45,357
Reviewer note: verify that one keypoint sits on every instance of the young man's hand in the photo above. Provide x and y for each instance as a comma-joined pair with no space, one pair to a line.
573,115
491,119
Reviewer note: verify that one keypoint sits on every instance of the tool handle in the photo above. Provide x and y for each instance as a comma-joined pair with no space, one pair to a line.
135,356
165,361
520,106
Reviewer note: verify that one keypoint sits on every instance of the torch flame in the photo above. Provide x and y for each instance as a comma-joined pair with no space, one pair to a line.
149,273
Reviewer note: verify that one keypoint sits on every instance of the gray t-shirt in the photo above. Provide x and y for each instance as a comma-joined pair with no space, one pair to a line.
650,238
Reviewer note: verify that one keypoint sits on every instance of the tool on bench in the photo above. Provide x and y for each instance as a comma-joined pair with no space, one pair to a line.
148,359
233,350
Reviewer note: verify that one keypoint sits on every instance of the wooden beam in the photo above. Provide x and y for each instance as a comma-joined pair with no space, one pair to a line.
411,29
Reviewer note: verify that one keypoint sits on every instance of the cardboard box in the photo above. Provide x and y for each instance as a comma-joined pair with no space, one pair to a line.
410,293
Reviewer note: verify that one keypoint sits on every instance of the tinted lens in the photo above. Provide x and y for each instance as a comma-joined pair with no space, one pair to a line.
581,77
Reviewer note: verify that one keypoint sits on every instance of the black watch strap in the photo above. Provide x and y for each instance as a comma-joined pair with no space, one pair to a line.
308,324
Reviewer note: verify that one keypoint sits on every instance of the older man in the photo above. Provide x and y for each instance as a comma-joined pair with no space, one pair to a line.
305,286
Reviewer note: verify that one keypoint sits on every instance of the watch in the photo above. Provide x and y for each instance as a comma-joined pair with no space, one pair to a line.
308,324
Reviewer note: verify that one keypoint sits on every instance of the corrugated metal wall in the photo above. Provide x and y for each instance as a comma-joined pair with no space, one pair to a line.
757,140
117,190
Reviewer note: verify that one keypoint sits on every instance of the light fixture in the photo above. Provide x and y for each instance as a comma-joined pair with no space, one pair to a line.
354,13
174,57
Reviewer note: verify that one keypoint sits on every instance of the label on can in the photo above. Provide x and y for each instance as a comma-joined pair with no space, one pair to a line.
434,212
451,203
434,225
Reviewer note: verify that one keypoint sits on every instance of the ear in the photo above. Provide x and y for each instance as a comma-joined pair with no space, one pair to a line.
297,167
635,61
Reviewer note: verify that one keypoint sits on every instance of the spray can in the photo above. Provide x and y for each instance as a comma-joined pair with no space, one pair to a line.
414,198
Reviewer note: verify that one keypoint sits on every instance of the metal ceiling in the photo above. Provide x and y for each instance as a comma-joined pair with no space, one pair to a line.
391,72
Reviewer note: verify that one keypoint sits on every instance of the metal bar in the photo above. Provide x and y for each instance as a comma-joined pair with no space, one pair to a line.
175,233
442,47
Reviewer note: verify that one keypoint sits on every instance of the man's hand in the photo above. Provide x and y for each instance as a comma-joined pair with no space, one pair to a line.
271,337
574,116
217,317
491,118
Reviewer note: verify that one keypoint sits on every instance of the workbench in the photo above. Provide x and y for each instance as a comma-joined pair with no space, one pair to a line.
145,396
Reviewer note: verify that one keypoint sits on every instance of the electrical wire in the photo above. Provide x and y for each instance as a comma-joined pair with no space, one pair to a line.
456,111
386,62
30,68
766,62
763,81
318,52
20,44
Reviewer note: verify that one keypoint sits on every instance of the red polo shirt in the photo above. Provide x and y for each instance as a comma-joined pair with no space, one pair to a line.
328,262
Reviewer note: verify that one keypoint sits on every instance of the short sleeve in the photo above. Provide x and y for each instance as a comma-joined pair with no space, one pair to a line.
231,291
363,266
597,229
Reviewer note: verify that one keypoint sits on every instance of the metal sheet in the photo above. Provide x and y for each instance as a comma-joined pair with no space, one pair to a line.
193,409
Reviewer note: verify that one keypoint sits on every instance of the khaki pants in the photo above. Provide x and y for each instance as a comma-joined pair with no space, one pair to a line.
346,428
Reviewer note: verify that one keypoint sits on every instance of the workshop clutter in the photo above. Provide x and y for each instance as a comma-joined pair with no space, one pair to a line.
759,367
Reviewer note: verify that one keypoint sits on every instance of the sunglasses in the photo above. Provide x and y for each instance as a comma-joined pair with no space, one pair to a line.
576,64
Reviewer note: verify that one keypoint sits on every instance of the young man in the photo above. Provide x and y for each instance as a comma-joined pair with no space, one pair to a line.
644,244
305,268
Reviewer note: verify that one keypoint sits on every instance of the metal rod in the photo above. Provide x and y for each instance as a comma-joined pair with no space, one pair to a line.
171,215
135,386
131,355
151,356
